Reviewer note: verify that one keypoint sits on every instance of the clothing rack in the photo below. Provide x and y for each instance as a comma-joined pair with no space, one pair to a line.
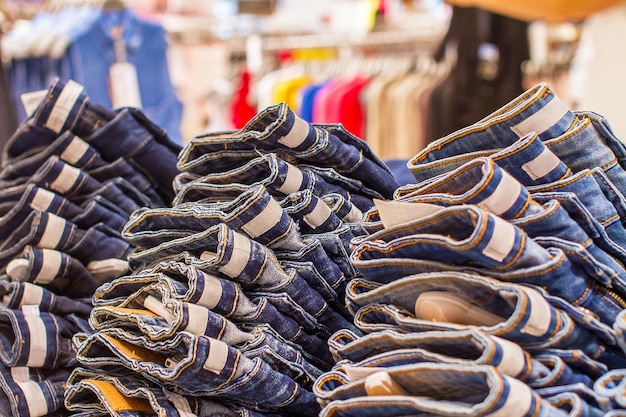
422,39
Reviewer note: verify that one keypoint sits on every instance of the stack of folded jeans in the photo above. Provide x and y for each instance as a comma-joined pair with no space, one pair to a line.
237,287
496,284
71,177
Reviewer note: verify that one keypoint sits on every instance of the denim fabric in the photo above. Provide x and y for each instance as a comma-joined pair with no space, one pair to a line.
310,212
434,389
24,394
36,338
581,215
584,185
145,145
253,212
222,251
226,298
58,112
199,366
261,341
537,110
528,318
119,394
555,228
56,271
32,197
278,129
512,202
18,202
122,169
601,125
68,147
277,309
77,185
573,405
138,140
467,236
360,195
336,245
531,161
582,391
278,176
612,388
16,295
343,208
465,347
481,182
94,248
324,270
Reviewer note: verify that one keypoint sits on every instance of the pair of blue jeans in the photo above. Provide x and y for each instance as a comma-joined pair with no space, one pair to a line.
251,339
468,236
224,252
226,298
60,272
198,366
530,317
138,140
31,392
115,392
466,346
434,389
98,249
277,129
17,201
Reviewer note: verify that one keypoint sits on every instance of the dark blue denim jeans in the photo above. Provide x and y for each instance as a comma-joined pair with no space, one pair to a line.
277,129
221,251
30,392
227,299
198,366
58,272
145,145
115,392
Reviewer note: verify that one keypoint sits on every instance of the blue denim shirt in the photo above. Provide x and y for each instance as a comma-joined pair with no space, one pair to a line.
90,54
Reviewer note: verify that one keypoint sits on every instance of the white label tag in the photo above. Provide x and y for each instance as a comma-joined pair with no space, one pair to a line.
31,100
318,215
538,322
518,401
217,357
542,165
502,240
504,196
543,119
242,249
293,180
75,150
298,133
393,213
124,85
63,106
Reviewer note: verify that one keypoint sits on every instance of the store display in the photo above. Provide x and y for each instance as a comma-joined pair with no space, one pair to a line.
282,269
